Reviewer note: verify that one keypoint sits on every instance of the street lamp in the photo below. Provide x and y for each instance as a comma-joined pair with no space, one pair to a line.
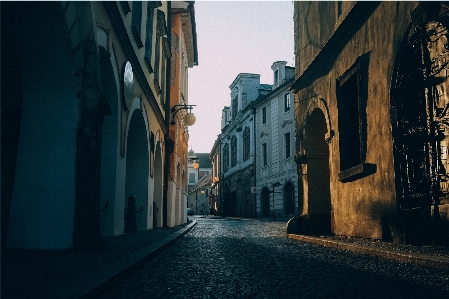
194,161
189,118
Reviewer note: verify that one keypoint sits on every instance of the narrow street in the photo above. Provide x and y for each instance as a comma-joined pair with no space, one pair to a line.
227,258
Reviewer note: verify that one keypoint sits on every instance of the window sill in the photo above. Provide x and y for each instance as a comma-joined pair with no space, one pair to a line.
357,172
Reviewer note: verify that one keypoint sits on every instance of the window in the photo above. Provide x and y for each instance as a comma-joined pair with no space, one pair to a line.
287,102
191,178
287,144
289,198
161,30
234,107
246,144
225,157
233,151
264,115
276,76
149,34
339,7
350,118
136,22
264,154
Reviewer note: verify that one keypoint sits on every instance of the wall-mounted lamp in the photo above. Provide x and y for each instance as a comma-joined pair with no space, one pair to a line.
216,179
194,162
202,191
189,119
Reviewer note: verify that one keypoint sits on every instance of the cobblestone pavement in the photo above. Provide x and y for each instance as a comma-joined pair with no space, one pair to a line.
226,258
32,273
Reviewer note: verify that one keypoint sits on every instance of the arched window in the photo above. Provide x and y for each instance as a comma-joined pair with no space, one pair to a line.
289,198
226,157
265,202
246,145
233,151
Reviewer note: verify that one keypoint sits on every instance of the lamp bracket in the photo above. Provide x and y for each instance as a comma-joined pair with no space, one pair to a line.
175,109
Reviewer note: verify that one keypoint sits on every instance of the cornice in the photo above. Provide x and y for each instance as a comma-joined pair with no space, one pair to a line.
320,65
113,12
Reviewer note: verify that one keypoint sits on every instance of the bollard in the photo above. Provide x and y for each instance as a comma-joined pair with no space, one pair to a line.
131,222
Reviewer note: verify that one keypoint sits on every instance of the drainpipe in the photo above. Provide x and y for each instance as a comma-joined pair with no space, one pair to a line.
168,143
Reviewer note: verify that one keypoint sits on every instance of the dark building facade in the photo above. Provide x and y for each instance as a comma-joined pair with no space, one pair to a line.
371,107
85,113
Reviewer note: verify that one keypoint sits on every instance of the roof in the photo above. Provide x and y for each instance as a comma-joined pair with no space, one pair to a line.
204,181
204,160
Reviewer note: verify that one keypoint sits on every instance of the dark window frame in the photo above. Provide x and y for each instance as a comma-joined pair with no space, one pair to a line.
287,102
233,151
225,157
264,154
264,115
287,145
136,22
246,144
351,103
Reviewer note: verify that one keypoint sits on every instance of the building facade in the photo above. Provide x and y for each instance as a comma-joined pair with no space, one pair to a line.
199,184
75,151
215,157
237,146
276,174
370,110
184,56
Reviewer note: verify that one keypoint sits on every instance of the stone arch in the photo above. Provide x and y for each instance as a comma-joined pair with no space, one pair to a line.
265,202
111,200
317,177
320,103
158,185
41,177
289,198
137,163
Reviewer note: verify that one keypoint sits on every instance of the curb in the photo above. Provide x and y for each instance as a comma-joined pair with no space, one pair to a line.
404,257
95,281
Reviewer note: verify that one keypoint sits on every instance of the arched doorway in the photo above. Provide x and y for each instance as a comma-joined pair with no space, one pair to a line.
137,166
265,202
289,198
41,175
318,174
109,143
158,191
419,105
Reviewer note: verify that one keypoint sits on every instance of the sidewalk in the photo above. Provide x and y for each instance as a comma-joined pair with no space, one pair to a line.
429,256
69,274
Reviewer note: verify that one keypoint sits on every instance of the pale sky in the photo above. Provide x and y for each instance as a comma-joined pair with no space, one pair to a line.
234,37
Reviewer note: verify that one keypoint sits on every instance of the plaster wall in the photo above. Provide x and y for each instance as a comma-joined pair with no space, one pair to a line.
358,206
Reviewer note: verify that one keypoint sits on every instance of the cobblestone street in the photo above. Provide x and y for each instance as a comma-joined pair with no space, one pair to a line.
224,258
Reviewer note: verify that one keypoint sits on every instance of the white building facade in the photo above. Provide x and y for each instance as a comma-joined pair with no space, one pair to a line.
276,171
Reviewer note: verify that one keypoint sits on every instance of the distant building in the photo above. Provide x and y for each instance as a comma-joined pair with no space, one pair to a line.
238,148
215,157
371,118
257,176
200,178
276,174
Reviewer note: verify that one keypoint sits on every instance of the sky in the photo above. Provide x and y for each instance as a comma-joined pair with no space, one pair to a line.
233,37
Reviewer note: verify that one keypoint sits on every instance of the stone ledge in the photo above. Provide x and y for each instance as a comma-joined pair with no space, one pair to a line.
400,256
